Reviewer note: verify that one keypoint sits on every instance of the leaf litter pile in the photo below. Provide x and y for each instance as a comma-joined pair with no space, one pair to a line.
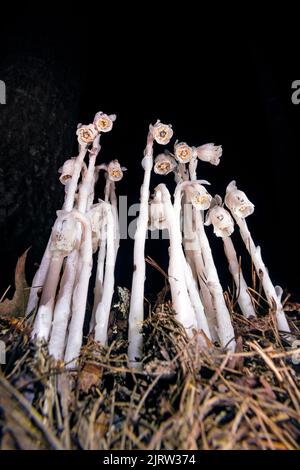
183,398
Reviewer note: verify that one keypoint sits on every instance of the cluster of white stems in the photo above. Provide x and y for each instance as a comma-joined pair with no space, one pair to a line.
197,295
83,228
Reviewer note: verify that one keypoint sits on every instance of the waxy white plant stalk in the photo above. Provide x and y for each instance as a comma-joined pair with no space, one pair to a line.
114,172
42,326
169,217
243,296
201,201
80,293
196,192
241,207
223,227
103,308
225,328
63,241
70,176
178,272
62,308
162,134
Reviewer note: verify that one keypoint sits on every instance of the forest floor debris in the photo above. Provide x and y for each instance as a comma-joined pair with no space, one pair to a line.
185,398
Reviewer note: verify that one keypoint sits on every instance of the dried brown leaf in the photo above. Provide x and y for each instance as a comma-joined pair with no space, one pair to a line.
16,306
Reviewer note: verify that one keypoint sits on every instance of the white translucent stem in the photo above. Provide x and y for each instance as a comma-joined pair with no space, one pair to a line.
192,246
225,328
63,307
80,294
103,309
263,274
72,187
190,224
87,186
42,274
177,271
42,324
243,296
114,203
196,302
206,297
98,289
136,312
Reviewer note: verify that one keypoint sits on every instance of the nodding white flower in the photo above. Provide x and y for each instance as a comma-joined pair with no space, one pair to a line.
183,152
115,171
103,122
200,198
86,134
162,133
209,153
67,170
164,164
238,202
221,220
64,234
157,217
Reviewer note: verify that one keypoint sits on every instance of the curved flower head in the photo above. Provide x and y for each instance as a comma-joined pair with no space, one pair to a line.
164,164
67,171
183,152
64,233
200,198
209,153
237,201
104,122
221,219
86,134
162,133
157,217
115,171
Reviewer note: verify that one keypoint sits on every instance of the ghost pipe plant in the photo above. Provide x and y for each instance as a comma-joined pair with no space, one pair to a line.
186,303
80,291
200,200
241,207
43,321
86,136
223,225
197,196
75,261
103,308
114,173
63,242
162,134
62,308
52,265
70,173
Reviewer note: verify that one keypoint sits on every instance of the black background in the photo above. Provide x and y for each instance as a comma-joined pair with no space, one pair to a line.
214,81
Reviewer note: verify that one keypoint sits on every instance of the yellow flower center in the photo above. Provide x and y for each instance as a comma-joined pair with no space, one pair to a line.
115,173
86,135
200,199
183,153
103,123
164,166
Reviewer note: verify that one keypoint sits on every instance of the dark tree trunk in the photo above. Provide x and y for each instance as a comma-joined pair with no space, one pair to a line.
38,126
